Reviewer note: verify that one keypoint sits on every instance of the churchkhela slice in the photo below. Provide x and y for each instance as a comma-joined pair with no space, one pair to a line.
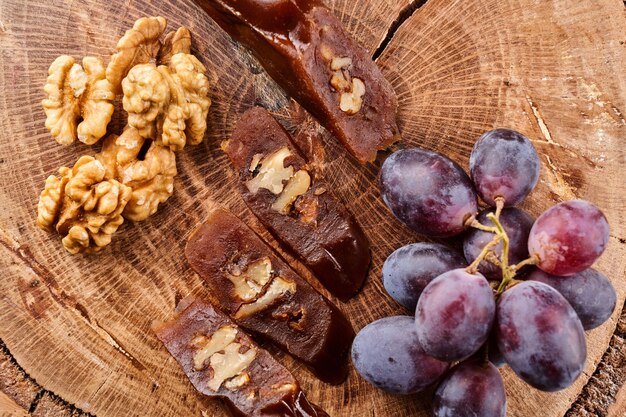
282,190
222,361
264,296
306,50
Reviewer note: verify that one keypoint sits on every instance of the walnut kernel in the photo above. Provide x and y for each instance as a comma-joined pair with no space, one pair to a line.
146,95
50,202
74,94
228,366
168,103
277,289
223,337
174,43
297,185
151,178
249,283
139,45
272,173
90,206
352,101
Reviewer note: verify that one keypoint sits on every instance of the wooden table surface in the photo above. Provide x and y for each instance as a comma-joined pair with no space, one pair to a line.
74,330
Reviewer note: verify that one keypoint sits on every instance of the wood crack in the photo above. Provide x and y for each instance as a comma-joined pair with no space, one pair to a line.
35,402
65,300
404,14
42,392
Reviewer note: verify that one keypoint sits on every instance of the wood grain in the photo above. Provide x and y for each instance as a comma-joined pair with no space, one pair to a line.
79,325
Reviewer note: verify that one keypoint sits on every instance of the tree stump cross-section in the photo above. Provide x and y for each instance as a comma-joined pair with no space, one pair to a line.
75,330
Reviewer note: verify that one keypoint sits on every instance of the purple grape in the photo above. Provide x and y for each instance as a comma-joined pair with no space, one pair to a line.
590,294
388,355
409,269
454,315
540,336
516,223
568,237
473,388
428,192
505,164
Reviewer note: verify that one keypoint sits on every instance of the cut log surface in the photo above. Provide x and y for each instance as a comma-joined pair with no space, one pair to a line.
75,330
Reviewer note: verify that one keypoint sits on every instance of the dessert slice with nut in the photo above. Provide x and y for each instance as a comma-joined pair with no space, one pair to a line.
267,298
221,361
319,64
282,190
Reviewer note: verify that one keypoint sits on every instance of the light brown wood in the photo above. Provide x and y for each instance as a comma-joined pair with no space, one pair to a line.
79,325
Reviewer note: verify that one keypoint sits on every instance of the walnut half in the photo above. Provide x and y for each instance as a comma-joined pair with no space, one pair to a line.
277,289
145,166
168,103
79,101
351,89
139,45
272,174
249,283
224,357
86,207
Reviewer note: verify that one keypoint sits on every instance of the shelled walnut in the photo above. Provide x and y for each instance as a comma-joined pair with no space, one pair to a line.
168,103
278,288
228,367
257,285
249,283
174,43
77,94
351,89
139,45
86,207
148,168
271,174
168,106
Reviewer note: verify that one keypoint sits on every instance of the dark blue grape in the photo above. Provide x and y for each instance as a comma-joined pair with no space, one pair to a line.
454,315
409,269
516,224
388,355
428,192
473,388
569,237
590,294
540,336
505,164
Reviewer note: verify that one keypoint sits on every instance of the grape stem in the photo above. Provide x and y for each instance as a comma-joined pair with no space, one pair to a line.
507,272
533,260
492,258
473,267
472,222
499,205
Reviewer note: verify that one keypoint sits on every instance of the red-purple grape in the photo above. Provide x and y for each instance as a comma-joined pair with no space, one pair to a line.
590,294
569,237
540,336
516,224
473,388
428,192
388,355
454,315
409,269
505,164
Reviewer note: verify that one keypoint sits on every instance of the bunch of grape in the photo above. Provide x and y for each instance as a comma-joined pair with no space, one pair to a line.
473,310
